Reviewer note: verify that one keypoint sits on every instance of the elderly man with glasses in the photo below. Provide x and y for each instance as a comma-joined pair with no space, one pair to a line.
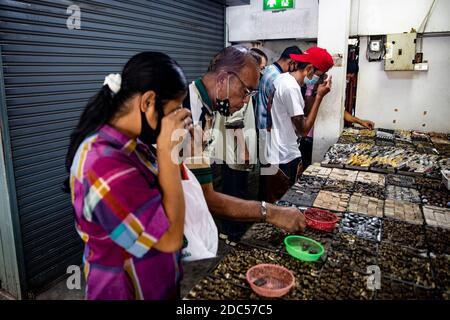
230,82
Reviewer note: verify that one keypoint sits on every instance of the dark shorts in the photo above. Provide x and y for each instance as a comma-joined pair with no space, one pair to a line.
290,169
306,148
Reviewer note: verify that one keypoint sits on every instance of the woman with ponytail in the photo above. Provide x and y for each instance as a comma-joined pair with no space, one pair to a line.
128,197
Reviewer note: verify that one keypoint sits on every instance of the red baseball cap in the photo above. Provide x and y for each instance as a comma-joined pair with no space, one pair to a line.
318,57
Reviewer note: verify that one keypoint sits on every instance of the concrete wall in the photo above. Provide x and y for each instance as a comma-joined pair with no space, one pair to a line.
247,23
371,17
379,92
368,17
274,48
334,37
407,99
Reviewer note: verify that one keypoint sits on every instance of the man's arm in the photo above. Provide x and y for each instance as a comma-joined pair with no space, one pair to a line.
304,124
233,208
309,102
365,123
309,98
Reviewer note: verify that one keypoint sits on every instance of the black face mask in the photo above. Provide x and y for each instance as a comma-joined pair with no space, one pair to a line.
149,135
223,106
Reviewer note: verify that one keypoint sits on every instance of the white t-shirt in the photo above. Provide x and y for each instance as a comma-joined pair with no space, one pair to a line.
287,103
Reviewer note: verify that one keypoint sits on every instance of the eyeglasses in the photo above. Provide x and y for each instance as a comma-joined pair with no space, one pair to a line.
248,92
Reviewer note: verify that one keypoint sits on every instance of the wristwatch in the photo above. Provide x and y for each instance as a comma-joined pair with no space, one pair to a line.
264,210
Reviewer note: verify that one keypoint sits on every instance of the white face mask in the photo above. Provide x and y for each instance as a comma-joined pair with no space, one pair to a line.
311,82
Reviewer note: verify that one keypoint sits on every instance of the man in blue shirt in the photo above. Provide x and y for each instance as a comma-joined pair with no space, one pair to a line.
265,88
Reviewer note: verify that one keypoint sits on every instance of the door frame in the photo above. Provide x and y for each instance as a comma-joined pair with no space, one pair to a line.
12,260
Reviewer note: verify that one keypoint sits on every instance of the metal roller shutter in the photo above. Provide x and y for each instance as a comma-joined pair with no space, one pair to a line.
51,71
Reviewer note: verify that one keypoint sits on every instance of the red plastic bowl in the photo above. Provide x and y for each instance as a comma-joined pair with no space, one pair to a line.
320,219
270,280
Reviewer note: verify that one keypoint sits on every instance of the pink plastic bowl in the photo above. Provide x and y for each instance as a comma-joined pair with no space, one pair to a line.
270,280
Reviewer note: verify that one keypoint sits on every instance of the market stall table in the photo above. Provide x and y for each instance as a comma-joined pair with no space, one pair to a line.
399,228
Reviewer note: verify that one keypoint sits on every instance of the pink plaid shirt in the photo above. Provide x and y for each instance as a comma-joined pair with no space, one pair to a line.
119,216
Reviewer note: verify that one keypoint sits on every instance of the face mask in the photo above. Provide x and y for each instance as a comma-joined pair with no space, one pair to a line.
223,105
311,82
148,134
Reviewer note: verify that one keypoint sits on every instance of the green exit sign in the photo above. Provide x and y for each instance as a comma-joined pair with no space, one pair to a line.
278,4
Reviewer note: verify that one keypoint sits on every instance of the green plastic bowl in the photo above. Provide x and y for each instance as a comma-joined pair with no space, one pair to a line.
303,248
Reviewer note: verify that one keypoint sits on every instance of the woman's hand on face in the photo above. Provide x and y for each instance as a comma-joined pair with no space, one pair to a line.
171,124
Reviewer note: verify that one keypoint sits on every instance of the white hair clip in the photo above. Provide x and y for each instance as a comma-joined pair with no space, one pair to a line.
113,80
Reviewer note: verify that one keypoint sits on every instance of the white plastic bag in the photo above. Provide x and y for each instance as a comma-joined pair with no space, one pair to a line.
200,229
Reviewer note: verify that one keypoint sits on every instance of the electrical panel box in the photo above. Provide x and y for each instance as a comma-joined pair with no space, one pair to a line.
400,51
